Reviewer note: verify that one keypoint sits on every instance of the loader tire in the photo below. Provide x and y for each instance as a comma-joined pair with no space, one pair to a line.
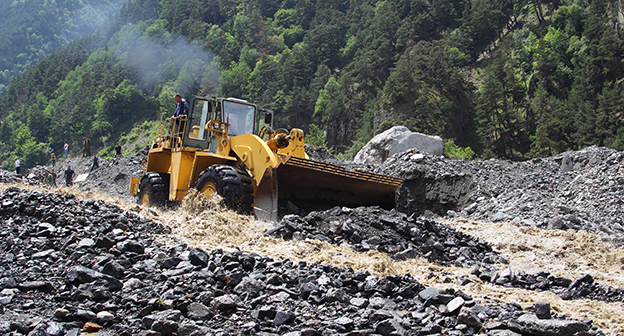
154,189
231,183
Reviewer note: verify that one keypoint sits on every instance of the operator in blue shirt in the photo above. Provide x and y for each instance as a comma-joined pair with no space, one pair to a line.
182,106
179,117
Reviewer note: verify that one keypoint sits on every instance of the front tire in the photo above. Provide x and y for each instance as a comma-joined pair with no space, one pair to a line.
233,184
154,189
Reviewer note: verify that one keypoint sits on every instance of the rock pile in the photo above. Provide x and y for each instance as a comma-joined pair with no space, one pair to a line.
69,265
580,190
583,287
399,235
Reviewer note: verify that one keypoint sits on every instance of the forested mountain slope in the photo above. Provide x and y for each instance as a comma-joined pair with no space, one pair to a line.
511,79
33,29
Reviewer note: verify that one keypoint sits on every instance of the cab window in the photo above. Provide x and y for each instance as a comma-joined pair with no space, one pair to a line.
240,117
201,114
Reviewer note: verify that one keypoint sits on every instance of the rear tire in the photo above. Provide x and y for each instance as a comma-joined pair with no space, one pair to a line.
233,184
154,189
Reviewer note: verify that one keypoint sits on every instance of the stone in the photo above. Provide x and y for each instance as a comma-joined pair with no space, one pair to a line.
502,332
91,327
249,286
283,317
359,302
334,294
396,140
224,303
113,269
542,310
531,324
455,304
585,279
198,257
429,293
105,316
468,317
86,243
54,329
197,310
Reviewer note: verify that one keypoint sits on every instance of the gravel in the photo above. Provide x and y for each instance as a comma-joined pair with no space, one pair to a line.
579,190
400,236
69,265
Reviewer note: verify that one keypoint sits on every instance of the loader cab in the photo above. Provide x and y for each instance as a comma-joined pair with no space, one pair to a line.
242,118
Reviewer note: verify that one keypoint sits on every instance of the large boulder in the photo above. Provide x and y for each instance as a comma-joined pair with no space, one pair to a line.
396,140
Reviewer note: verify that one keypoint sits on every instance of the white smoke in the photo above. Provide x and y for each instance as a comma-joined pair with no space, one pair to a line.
163,59
93,16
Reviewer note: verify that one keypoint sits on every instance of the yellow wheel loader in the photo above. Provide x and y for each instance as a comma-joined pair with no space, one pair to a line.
228,146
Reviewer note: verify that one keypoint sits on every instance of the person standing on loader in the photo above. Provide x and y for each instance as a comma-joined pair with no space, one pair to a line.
182,109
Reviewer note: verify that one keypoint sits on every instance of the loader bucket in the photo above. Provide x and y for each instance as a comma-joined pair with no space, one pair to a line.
314,185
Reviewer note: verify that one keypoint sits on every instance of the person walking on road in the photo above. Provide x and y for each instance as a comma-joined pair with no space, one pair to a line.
69,176
17,166
66,149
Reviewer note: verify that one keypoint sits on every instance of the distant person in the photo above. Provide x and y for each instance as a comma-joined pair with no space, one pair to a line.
86,147
17,166
66,149
96,162
69,176
53,159
118,150
146,149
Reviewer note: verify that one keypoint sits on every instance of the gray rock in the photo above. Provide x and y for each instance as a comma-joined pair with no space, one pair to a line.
501,332
224,303
468,317
249,286
105,316
334,294
113,269
283,317
198,257
86,243
197,310
429,293
395,140
359,302
531,324
455,304
542,310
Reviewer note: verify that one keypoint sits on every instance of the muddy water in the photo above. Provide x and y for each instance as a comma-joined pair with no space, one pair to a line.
205,223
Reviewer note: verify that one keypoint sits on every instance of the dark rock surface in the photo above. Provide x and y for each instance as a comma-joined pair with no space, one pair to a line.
53,282
580,190
583,287
392,232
